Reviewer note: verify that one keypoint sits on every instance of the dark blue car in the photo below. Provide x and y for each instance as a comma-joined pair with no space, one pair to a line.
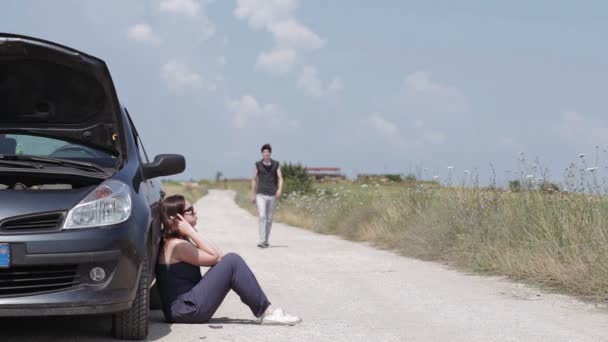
79,199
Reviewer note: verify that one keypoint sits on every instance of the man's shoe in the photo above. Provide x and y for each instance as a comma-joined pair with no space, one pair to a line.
261,245
279,317
266,245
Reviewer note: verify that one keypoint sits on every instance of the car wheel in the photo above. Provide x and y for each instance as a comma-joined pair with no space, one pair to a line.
133,324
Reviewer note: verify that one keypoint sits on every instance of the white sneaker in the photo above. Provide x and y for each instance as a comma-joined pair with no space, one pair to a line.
279,317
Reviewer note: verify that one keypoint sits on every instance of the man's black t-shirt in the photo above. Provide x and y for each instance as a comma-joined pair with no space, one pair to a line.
268,178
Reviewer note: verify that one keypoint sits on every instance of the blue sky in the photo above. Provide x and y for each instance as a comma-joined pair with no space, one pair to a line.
383,86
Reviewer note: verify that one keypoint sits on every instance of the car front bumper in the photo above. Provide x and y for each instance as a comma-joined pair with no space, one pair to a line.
66,253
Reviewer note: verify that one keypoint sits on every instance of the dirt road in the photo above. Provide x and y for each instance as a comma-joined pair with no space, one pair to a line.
348,291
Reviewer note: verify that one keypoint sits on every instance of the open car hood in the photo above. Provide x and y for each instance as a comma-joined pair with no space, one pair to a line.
52,90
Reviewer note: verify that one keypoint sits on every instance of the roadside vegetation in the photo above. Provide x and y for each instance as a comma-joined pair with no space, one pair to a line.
533,230
192,191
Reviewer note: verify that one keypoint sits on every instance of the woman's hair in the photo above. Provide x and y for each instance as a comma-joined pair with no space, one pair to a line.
170,207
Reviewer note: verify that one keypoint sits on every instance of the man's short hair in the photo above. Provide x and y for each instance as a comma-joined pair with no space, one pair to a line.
266,147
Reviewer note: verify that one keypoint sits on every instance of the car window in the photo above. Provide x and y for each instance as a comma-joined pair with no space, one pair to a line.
142,151
22,144
143,156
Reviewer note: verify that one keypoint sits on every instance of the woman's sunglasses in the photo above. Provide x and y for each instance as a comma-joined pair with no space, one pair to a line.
189,210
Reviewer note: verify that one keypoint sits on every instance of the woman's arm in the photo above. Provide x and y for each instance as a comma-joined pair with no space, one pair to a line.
214,246
198,251
186,251
209,243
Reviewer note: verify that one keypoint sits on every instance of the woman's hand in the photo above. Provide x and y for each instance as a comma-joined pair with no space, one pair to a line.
182,226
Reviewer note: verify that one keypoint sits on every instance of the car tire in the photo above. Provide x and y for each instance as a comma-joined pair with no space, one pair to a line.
133,324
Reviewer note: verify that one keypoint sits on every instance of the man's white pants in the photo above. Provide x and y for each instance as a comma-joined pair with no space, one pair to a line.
266,206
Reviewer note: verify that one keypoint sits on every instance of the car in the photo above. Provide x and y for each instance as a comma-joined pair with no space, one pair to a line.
79,199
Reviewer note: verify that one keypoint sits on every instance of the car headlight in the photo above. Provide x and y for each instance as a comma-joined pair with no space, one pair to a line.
109,203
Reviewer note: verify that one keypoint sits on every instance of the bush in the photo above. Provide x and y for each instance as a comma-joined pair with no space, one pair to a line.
394,178
410,178
515,186
295,179
549,187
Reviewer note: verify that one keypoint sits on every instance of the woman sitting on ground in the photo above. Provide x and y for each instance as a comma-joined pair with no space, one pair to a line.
188,297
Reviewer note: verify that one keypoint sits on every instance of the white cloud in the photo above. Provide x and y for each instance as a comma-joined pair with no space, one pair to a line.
277,18
394,134
386,129
420,81
195,11
143,33
247,110
293,34
221,60
576,128
336,85
189,8
263,13
309,81
179,75
422,95
207,29
382,125
434,137
276,61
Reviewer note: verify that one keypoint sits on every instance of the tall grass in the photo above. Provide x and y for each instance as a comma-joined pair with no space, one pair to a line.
556,239
190,190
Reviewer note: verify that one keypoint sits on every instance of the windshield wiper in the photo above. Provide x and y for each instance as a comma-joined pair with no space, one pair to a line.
55,161
17,164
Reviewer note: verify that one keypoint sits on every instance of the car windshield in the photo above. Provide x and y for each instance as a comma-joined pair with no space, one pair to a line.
29,145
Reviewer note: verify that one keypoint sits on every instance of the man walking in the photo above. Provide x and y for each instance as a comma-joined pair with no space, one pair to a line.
266,187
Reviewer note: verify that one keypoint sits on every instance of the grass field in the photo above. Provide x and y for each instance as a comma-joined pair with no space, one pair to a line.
192,191
557,240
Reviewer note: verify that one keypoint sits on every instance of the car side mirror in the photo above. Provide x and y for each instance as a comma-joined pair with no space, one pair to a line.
164,165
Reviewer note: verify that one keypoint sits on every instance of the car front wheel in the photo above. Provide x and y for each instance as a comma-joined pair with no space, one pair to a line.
133,324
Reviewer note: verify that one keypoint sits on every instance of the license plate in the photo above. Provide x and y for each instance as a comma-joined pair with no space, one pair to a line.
5,255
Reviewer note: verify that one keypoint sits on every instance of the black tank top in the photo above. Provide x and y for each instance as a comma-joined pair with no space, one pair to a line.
268,178
173,281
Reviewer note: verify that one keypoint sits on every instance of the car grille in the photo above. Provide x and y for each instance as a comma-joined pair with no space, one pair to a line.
50,221
30,280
